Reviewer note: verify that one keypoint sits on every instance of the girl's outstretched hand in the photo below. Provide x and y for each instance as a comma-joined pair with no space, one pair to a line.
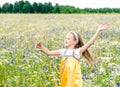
103,27
38,45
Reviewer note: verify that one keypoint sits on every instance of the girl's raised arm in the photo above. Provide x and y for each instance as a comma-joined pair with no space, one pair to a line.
46,51
92,40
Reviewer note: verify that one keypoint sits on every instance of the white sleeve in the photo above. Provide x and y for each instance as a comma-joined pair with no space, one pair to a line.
77,53
61,51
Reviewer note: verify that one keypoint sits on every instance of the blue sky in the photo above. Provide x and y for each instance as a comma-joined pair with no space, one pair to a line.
77,3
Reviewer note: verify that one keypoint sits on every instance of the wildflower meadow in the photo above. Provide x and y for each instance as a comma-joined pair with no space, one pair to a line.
22,65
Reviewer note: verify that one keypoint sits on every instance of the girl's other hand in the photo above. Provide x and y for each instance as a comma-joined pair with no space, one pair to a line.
103,27
38,45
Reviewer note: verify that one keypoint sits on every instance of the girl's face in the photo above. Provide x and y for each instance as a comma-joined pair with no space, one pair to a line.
70,41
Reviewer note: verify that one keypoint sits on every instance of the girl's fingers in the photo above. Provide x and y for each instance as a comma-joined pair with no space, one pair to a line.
38,45
104,27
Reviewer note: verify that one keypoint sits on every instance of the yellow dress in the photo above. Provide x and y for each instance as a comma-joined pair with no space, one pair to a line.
70,73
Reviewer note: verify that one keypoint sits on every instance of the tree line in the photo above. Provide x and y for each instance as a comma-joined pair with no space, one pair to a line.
47,7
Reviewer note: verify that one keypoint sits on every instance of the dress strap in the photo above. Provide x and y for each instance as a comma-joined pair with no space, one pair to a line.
74,55
64,60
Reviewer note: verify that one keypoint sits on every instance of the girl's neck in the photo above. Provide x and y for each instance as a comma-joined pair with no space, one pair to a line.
71,47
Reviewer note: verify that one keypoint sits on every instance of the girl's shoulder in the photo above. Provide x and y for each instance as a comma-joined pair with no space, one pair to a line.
62,50
70,52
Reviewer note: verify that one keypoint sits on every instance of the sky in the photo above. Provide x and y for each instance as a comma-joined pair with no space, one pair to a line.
76,3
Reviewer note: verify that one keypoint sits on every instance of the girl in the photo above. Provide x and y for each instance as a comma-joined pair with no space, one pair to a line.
70,71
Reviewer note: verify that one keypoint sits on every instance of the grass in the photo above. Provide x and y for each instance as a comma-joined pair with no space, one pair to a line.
21,65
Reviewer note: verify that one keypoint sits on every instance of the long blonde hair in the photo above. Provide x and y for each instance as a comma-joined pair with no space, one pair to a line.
80,43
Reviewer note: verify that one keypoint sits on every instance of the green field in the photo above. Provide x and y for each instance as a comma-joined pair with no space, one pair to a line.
21,65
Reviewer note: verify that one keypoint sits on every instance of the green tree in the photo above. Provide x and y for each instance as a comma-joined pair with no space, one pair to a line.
16,7
50,7
69,9
0,9
102,10
35,7
116,10
10,9
27,8
45,8
56,9
21,4
40,6
77,10
5,8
